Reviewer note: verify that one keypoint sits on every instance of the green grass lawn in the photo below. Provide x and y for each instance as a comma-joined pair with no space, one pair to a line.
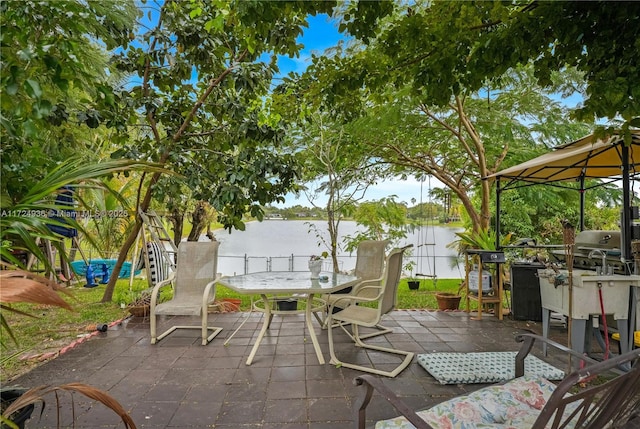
53,328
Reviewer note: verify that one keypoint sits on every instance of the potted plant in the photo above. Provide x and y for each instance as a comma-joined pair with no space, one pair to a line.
141,305
448,301
480,240
315,264
414,284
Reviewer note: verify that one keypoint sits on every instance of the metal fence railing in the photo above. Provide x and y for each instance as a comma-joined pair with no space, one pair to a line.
425,266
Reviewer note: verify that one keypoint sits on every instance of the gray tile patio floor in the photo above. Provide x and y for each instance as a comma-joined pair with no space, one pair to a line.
179,383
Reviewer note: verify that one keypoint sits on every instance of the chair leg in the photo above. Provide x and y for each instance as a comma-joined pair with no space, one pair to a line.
204,330
246,318
380,330
205,339
321,320
408,356
153,327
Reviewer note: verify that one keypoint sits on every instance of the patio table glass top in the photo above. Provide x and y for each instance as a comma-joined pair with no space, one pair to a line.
288,282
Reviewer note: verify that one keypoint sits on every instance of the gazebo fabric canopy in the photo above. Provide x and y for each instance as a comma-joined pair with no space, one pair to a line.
585,158
588,157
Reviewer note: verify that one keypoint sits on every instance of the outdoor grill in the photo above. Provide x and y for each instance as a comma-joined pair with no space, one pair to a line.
592,249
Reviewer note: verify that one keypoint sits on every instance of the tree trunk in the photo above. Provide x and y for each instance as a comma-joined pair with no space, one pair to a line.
177,221
131,239
333,237
199,220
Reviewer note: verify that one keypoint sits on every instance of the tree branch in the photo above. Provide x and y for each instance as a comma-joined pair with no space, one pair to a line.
478,155
527,8
456,133
212,84
202,134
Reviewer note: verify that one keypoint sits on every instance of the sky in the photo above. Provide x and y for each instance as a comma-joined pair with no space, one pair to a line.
323,34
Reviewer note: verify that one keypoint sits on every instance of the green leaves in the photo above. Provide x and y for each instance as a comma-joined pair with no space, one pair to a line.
41,109
25,221
216,24
54,62
32,88
483,239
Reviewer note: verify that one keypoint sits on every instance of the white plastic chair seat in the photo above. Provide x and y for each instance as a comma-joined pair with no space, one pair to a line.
179,308
363,316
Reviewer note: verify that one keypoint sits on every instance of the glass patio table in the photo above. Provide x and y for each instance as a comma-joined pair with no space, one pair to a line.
274,286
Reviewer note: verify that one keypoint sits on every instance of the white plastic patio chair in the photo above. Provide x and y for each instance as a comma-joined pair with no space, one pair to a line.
384,296
370,259
194,284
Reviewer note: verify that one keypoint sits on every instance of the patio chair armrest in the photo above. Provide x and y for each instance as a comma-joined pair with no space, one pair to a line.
207,291
375,284
367,283
160,285
351,299
166,281
528,341
369,385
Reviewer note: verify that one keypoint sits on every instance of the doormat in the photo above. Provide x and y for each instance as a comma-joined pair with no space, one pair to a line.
483,367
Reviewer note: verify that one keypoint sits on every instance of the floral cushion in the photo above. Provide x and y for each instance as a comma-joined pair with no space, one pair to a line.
515,404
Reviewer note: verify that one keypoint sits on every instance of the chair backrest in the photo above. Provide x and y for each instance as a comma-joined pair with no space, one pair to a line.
370,258
197,266
601,402
393,271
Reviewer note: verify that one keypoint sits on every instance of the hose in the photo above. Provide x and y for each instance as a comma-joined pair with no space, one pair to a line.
604,323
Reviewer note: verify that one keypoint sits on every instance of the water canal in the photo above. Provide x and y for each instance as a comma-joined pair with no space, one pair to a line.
287,244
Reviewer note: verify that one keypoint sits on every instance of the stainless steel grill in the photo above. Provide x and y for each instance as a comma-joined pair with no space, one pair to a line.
593,249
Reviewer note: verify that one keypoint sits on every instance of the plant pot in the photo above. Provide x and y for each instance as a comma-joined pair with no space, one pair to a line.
139,310
232,304
287,304
315,267
414,284
20,416
448,301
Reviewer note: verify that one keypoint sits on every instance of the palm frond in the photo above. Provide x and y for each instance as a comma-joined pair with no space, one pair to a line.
24,286
27,222
37,394
78,171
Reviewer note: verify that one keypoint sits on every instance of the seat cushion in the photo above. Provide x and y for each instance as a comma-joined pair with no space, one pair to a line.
177,307
515,404
364,316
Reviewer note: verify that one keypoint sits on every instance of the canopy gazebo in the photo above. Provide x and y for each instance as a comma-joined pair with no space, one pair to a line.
608,158
591,157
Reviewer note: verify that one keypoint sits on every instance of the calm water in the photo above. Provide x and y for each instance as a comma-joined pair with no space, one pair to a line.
286,245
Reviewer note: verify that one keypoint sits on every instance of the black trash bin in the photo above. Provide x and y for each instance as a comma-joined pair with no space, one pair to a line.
525,291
